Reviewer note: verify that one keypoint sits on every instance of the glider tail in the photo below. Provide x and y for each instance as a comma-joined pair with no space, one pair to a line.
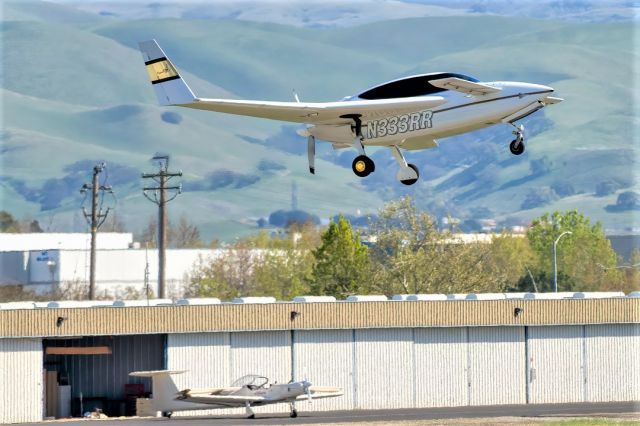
170,88
163,388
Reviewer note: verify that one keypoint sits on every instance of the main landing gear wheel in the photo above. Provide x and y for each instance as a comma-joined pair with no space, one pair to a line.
516,147
363,166
412,181
294,414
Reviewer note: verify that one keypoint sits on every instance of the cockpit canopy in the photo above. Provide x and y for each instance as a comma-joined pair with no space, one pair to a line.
407,87
252,381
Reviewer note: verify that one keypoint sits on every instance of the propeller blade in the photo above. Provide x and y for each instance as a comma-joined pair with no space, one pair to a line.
307,389
311,153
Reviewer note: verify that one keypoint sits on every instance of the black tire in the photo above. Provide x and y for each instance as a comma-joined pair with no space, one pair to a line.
363,166
293,414
412,181
516,151
167,414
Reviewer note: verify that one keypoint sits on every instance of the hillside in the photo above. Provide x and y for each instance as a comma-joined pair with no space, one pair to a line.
74,91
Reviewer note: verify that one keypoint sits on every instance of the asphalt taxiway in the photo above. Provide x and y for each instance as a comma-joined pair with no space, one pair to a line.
608,409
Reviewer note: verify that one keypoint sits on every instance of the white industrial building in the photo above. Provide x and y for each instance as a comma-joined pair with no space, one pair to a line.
41,262
64,241
427,351
116,270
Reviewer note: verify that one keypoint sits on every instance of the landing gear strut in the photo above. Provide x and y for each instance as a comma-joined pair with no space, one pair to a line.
362,165
294,412
408,173
517,145
250,413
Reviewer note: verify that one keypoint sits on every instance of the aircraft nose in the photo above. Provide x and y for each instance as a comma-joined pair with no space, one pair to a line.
543,88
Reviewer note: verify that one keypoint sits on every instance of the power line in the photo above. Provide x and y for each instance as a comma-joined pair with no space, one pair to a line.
96,218
158,195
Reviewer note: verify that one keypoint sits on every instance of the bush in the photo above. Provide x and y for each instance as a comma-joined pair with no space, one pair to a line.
563,189
539,197
285,218
171,117
606,188
628,200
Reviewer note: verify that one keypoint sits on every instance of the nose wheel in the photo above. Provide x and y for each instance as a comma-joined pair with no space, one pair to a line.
517,145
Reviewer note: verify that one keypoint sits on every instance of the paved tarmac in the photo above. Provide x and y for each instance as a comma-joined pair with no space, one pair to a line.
608,409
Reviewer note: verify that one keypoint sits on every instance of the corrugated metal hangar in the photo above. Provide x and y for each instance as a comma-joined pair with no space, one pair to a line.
410,352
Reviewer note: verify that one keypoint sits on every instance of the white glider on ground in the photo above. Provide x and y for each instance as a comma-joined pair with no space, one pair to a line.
247,391
409,113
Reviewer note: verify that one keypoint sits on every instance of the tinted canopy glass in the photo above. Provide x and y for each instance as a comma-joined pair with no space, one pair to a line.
411,86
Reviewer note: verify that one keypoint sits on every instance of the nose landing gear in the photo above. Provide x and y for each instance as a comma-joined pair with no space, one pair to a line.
517,145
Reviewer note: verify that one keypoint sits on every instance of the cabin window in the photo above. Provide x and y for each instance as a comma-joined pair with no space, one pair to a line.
410,87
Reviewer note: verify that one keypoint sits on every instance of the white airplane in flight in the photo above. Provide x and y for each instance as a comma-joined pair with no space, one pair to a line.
410,113
247,391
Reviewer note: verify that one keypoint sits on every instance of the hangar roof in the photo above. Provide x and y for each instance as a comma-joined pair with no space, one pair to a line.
356,314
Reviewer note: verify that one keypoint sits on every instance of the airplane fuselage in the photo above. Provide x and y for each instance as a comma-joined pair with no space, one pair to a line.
460,113
409,113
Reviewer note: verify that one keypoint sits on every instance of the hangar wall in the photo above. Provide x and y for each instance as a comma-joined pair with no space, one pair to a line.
423,367
21,380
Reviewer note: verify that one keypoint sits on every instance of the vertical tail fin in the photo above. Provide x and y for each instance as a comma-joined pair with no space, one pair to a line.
163,387
170,88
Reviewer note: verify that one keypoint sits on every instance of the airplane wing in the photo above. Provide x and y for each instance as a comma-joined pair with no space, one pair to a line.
421,142
327,113
228,400
319,392
464,86
171,89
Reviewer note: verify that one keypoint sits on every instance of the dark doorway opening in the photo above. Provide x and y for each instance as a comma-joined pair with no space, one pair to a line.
88,373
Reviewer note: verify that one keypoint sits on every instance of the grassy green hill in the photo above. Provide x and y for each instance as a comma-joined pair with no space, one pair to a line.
74,90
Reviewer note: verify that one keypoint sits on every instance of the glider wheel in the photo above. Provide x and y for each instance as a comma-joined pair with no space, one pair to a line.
363,166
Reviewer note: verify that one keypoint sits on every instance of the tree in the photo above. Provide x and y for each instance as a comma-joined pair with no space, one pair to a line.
113,223
149,233
260,265
586,260
186,234
509,262
7,222
632,272
341,262
411,255
227,274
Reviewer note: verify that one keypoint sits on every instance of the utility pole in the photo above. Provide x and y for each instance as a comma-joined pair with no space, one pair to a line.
158,195
95,219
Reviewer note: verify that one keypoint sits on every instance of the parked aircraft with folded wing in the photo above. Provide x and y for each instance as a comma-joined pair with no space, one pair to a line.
247,391
410,113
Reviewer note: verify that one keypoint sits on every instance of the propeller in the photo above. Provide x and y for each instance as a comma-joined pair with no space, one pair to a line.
311,153
306,385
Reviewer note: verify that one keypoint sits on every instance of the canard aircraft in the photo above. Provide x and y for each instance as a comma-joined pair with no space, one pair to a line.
247,391
409,113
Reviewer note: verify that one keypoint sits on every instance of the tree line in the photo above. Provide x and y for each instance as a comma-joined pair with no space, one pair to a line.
404,251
